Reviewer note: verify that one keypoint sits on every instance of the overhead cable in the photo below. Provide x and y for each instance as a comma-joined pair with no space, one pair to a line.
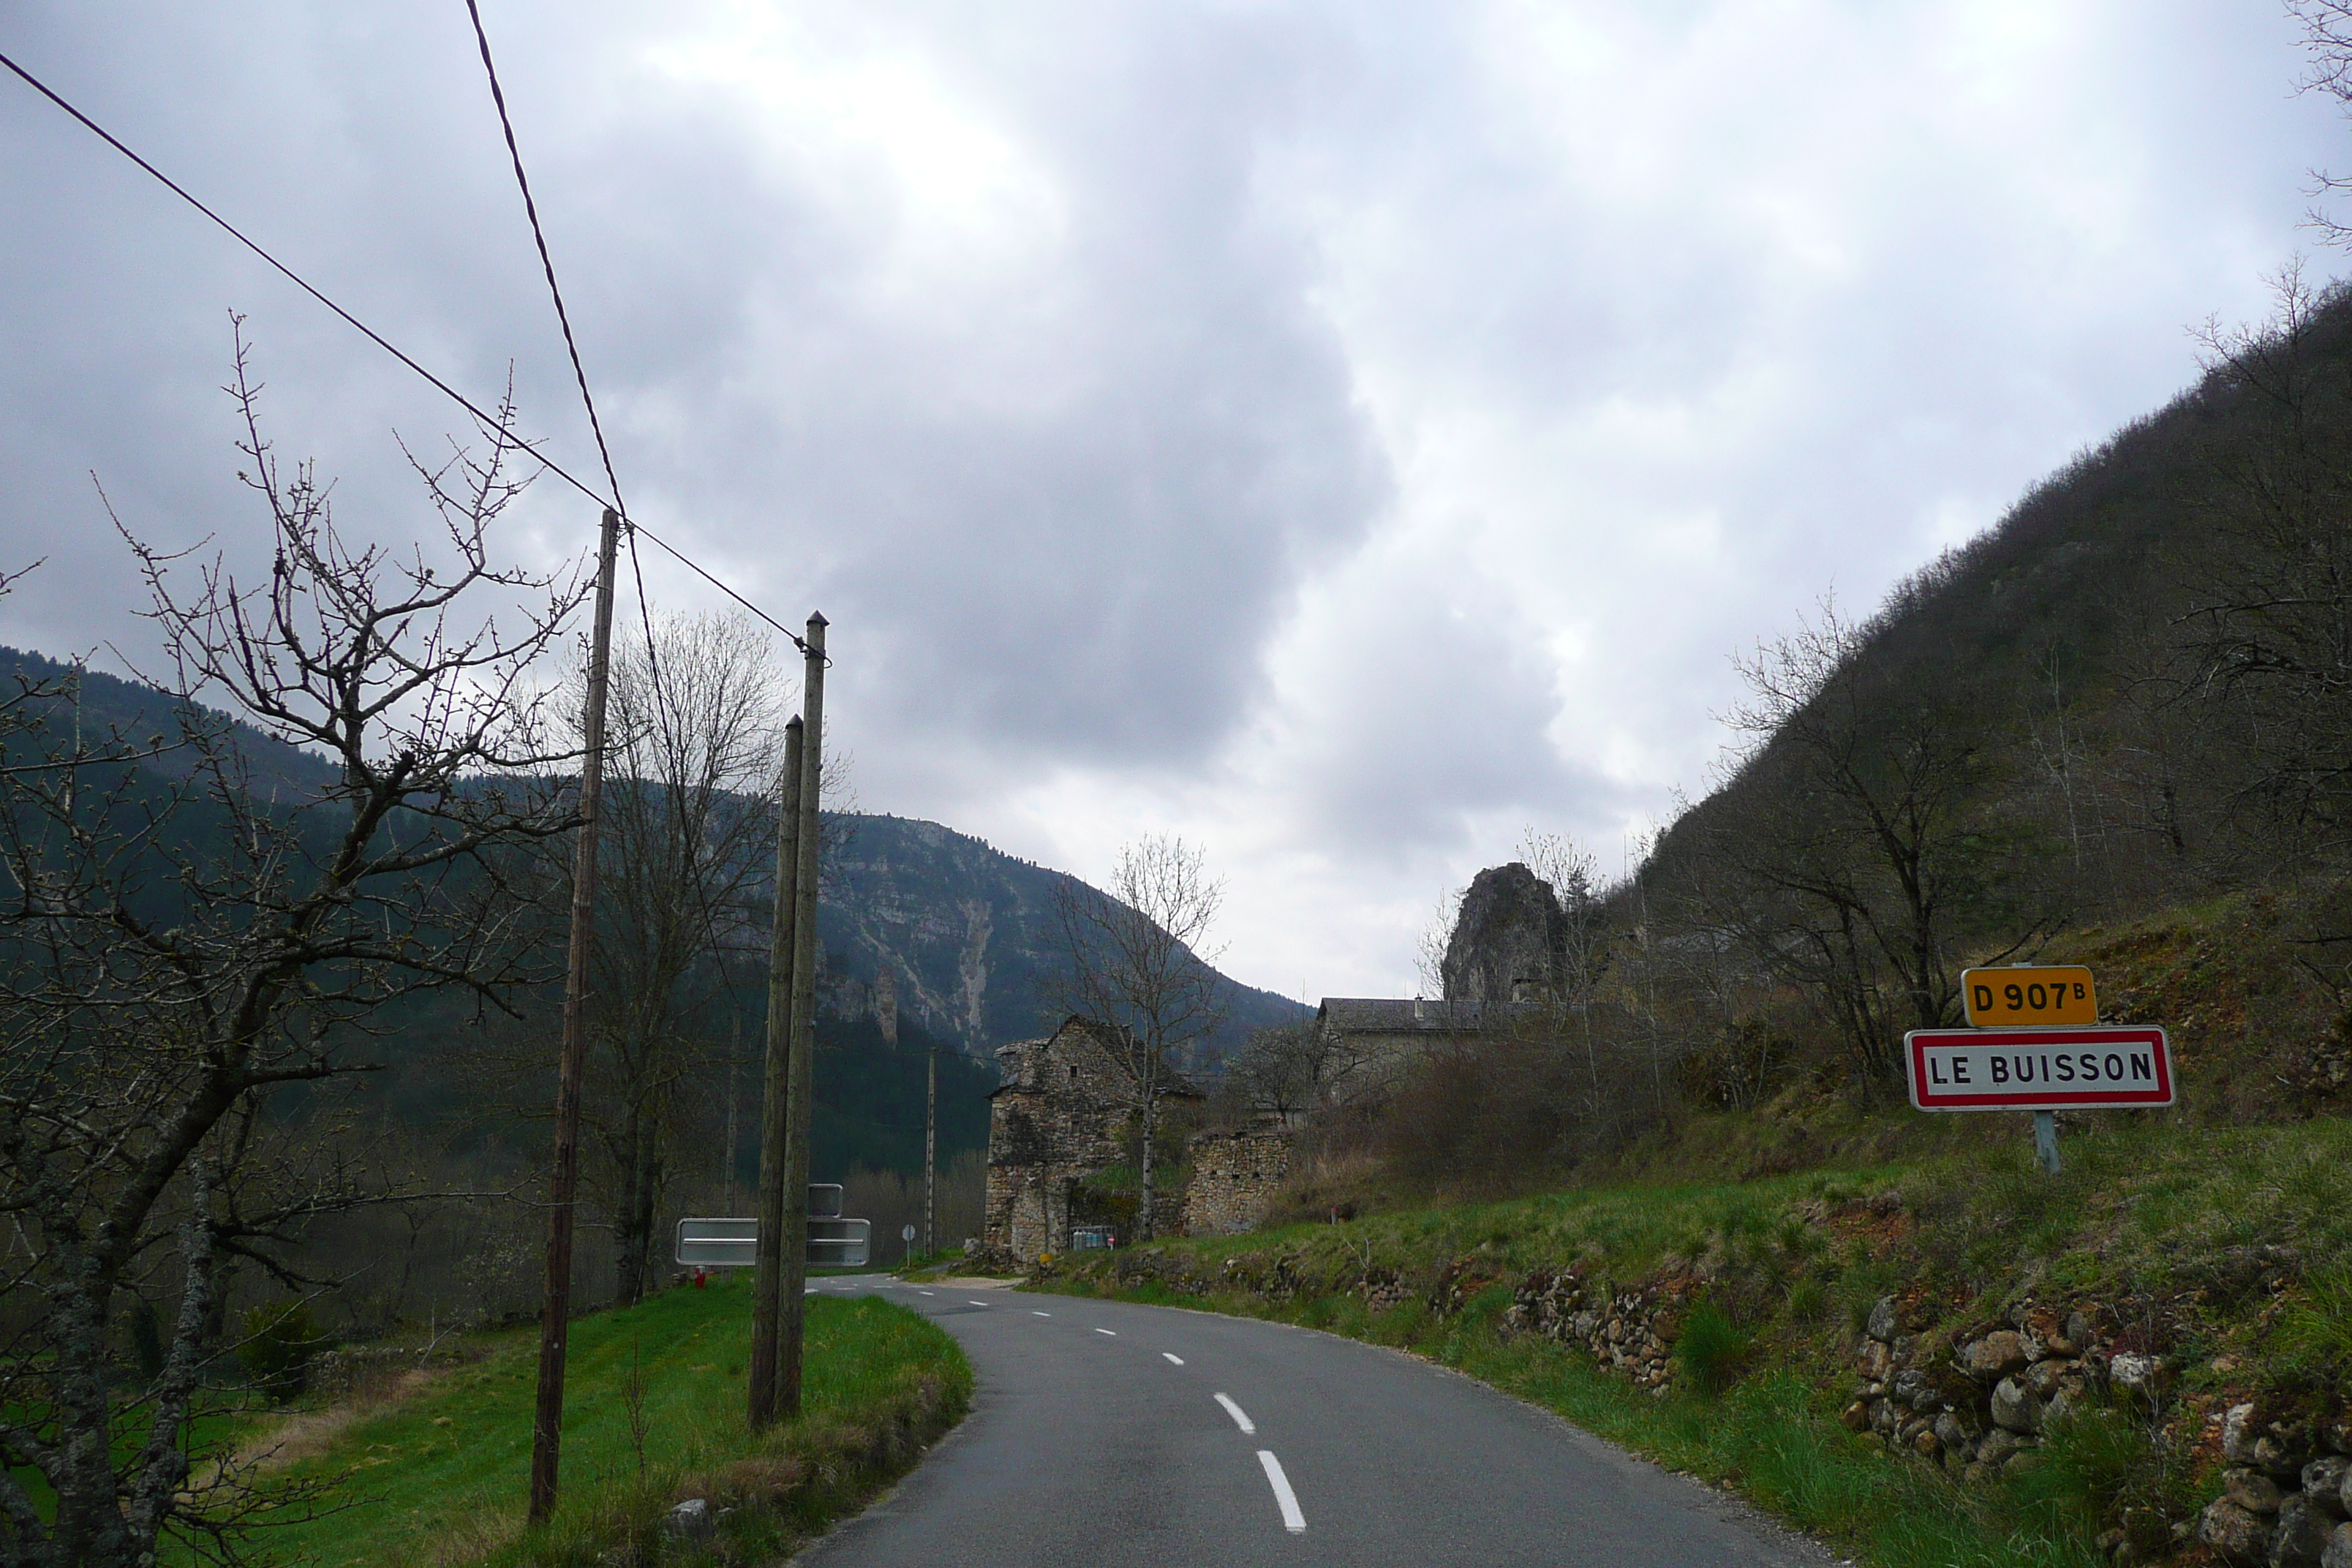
460,398
546,261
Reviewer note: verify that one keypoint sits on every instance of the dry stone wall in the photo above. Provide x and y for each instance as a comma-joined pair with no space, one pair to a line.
1632,1331
2286,1494
1982,1403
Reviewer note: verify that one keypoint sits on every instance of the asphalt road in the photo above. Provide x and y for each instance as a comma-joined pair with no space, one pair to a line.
1104,1434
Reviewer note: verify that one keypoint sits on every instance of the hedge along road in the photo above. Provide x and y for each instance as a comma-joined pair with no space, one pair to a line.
1107,1433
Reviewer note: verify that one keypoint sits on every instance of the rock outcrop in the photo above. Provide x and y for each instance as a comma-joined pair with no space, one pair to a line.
1507,939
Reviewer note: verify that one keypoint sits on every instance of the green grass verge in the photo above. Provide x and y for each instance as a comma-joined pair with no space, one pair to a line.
441,1478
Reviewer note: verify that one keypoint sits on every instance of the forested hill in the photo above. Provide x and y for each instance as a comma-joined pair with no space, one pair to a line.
966,931
2132,692
106,705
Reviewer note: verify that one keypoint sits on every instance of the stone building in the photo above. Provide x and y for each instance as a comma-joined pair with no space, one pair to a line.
1065,1111
1371,1042
1233,1177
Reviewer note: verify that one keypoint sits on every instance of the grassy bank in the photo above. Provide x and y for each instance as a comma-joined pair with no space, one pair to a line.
440,1477
2223,1250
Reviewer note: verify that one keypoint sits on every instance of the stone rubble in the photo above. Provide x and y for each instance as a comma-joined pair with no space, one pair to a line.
1980,1406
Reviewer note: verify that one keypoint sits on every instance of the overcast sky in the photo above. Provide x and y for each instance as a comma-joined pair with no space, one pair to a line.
1344,434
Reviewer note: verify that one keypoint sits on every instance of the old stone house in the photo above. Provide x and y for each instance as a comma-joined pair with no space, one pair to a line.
1233,1177
1374,1041
1065,1111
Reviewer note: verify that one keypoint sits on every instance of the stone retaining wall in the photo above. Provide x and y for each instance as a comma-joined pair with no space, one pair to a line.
1632,1331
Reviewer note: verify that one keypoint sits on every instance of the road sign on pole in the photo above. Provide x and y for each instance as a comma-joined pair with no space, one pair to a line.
2054,993
839,1243
713,1242
2105,1066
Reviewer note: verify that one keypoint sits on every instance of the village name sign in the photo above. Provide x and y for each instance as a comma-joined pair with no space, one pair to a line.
2035,1045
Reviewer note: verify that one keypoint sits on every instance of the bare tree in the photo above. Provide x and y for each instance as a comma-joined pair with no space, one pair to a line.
2271,625
697,720
1430,944
1848,833
1132,960
187,971
1577,941
1290,1071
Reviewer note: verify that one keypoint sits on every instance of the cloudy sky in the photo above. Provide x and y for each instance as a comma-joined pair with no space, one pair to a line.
1344,434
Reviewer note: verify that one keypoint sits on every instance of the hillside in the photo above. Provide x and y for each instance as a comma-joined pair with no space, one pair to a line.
966,929
2135,676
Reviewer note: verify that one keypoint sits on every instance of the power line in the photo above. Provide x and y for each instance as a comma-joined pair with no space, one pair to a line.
296,278
546,261
571,343
451,393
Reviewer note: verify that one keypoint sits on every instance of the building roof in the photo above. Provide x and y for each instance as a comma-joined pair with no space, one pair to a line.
1172,1084
1388,1016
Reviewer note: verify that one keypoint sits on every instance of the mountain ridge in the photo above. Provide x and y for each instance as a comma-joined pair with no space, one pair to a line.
964,929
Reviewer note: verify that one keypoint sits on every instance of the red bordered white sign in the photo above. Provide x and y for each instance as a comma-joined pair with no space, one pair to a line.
2107,1065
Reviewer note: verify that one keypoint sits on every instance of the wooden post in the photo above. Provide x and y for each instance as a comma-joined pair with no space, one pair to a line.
932,1148
563,1188
734,1060
767,1275
792,1309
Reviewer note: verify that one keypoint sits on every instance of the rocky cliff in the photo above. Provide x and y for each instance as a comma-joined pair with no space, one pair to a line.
966,932
1509,934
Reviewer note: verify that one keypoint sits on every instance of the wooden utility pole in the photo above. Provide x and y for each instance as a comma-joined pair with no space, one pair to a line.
793,1307
775,1089
932,1148
555,1310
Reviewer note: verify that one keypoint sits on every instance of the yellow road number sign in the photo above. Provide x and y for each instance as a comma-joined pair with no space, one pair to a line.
2003,998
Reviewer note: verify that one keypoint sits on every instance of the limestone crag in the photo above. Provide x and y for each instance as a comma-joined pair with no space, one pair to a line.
1508,938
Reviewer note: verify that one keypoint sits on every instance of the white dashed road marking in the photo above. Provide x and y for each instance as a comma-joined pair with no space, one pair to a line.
1112,1332
1240,1420
1285,1498
1177,1360
978,1303
1035,1313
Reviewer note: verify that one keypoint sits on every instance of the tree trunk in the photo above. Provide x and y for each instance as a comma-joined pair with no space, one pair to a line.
628,1233
1143,1215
